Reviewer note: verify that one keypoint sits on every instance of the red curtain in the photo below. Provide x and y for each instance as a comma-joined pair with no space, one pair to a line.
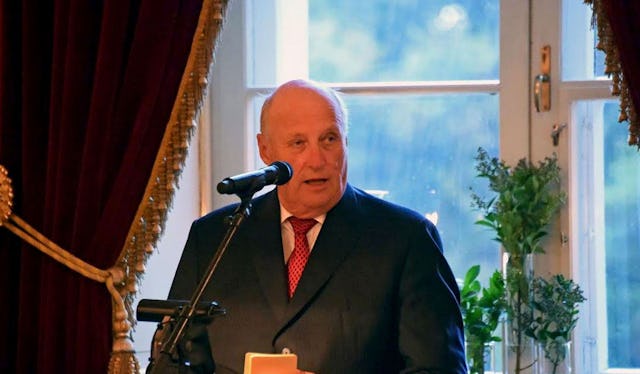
86,91
624,19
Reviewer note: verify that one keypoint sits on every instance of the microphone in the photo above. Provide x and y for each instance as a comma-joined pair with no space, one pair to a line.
150,310
277,173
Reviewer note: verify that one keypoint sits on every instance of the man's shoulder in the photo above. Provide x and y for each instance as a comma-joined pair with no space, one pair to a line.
377,207
220,215
380,215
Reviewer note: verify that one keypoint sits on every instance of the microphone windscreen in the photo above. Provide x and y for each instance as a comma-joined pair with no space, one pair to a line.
284,172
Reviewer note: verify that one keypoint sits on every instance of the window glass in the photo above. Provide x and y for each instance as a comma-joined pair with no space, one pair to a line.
622,235
581,60
607,251
381,40
598,58
418,151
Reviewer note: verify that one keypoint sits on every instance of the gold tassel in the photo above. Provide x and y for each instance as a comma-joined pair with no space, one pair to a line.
123,363
123,359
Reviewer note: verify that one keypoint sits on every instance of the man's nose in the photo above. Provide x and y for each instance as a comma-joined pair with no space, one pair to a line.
316,156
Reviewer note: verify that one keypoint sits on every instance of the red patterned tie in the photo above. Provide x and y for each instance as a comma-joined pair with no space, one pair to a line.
300,254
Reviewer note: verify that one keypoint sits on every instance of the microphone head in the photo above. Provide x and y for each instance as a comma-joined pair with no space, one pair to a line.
278,173
284,172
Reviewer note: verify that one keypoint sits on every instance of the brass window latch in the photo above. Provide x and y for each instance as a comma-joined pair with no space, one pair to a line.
542,82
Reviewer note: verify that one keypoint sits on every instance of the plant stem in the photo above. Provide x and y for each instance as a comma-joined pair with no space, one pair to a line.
518,331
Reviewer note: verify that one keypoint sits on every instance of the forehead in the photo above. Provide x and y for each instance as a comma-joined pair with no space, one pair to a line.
293,107
291,101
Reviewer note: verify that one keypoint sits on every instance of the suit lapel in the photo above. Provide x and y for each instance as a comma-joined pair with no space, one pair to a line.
268,256
338,236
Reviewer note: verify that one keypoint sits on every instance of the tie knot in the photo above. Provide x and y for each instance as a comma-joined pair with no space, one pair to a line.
302,225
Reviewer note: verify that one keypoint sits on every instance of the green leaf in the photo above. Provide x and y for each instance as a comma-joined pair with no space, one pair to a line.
472,274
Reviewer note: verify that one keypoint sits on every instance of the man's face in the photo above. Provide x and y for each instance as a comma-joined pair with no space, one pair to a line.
301,129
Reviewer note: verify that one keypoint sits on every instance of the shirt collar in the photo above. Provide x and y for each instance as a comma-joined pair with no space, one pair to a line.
285,214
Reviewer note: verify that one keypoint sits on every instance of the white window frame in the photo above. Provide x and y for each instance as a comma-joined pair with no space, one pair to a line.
576,248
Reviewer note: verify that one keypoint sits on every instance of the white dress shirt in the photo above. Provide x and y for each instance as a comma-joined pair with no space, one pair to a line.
288,236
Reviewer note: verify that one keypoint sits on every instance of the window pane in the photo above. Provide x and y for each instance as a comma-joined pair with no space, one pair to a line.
609,179
622,235
419,151
598,58
580,59
382,40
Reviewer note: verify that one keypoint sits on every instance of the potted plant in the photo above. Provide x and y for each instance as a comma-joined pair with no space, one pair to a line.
526,199
555,309
482,309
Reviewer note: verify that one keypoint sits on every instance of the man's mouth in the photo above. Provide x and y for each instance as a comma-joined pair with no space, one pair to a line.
315,182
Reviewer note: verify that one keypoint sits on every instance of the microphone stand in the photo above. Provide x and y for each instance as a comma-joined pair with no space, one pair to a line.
169,352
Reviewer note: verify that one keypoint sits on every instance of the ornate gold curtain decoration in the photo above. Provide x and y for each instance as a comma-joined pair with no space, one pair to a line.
613,69
148,224
110,277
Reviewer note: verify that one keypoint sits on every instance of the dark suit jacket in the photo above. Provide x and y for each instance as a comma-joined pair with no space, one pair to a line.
377,295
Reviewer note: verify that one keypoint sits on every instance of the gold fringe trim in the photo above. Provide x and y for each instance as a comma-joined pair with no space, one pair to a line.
149,222
613,69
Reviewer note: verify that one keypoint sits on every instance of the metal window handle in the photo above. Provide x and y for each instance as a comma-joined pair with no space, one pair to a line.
542,93
542,82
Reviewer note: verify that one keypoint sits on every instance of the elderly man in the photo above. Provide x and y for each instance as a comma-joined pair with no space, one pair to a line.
348,282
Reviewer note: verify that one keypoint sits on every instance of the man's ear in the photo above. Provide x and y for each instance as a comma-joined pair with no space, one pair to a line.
263,149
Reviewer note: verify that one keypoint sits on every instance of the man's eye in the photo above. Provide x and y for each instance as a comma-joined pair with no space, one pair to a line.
331,138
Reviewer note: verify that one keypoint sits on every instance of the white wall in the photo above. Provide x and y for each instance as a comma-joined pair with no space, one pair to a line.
163,262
